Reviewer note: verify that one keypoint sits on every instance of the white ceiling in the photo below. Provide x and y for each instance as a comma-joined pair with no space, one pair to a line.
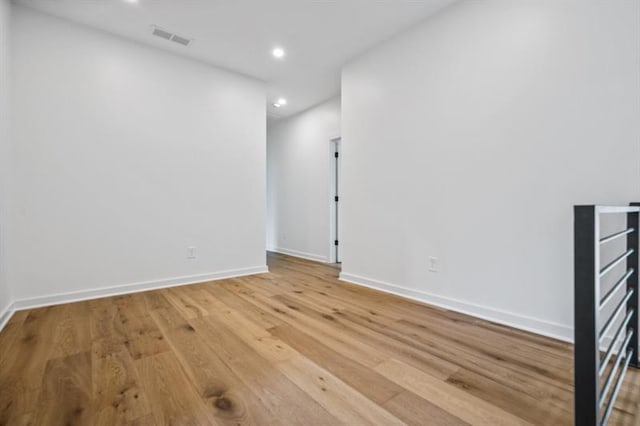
319,36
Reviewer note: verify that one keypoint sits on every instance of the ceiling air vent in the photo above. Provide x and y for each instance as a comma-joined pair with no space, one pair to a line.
180,40
159,32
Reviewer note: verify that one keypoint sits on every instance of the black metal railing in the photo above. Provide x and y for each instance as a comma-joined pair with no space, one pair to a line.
598,375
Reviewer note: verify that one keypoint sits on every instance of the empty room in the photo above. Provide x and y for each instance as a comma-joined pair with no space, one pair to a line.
319,212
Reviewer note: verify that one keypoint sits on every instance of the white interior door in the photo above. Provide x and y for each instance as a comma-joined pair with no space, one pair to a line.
336,163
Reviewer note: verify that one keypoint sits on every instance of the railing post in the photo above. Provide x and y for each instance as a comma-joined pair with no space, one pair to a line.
586,304
632,281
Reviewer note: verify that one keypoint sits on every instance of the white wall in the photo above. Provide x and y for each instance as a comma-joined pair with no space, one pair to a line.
471,137
5,163
298,167
125,156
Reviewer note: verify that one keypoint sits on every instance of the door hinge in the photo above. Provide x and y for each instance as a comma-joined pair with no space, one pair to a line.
336,198
336,155
336,242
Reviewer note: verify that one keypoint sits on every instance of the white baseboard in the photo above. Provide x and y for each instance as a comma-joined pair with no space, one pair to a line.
300,254
5,315
534,325
78,296
557,331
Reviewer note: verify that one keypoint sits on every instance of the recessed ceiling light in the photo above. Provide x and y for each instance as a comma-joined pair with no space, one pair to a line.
277,105
278,52
281,101
131,1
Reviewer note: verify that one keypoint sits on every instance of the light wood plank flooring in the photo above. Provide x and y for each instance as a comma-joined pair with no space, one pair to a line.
294,346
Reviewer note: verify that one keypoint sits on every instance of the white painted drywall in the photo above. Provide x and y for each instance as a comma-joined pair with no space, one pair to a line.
125,156
298,167
471,137
5,163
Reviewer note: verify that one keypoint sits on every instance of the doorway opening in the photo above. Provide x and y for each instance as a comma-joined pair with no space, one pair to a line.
334,202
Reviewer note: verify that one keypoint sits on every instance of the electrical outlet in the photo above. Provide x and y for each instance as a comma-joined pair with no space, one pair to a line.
191,252
433,264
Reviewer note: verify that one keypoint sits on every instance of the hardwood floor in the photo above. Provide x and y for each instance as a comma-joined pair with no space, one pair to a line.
294,346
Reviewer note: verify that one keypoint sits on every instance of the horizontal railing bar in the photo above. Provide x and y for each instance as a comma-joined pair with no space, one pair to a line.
617,209
616,388
615,288
616,235
615,339
615,313
615,262
614,370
